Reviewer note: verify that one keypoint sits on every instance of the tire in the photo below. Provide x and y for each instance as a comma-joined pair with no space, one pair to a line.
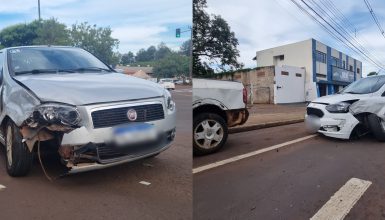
377,127
211,140
18,157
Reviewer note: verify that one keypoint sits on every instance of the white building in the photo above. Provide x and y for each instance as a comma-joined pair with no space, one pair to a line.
327,70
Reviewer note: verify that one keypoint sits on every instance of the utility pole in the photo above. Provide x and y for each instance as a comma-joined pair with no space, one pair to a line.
177,35
38,8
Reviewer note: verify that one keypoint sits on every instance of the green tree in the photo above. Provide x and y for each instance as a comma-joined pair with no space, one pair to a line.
128,58
162,51
372,74
185,49
215,45
18,35
51,32
172,65
95,39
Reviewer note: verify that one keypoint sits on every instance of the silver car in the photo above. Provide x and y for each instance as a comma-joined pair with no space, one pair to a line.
68,99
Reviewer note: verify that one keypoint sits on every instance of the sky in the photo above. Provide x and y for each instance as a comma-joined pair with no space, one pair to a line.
262,24
136,24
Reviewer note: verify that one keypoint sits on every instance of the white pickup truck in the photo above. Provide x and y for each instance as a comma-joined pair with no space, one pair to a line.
217,105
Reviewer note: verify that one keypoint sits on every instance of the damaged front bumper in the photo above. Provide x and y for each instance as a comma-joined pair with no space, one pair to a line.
336,125
97,156
237,117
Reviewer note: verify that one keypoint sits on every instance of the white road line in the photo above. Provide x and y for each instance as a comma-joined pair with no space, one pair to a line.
250,154
145,183
2,187
343,200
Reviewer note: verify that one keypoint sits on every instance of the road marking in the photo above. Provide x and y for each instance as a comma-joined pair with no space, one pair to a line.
2,187
250,154
145,183
343,200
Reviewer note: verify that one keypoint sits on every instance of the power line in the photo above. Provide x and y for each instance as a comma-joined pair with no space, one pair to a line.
374,17
336,32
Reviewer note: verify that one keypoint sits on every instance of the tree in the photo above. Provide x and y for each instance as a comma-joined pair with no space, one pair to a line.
162,51
51,32
372,74
96,40
172,65
185,49
18,35
128,58
215,45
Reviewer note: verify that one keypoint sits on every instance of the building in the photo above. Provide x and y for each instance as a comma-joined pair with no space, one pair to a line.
327,70
269,84
130,70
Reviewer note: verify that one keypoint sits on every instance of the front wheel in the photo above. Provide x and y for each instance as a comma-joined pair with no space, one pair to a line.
209,132
377,127
18,157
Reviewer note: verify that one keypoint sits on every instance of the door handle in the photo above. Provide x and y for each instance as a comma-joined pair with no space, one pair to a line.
279,87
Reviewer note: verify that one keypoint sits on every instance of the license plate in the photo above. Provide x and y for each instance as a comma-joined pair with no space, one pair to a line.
134,133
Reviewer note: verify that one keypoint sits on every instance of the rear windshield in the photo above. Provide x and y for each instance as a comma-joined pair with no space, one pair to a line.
365,85
23,60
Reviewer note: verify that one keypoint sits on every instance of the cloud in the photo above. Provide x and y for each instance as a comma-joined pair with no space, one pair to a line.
264,24
137,24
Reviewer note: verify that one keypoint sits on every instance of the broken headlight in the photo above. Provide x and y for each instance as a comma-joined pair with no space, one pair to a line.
58,114
170,104
341,107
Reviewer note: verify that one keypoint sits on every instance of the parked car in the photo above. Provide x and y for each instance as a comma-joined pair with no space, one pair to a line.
96,117
357,109
217,105
167,84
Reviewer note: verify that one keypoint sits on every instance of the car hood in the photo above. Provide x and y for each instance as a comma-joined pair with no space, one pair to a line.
332,99
89,88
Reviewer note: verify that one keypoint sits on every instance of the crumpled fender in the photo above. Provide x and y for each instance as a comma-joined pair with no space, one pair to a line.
374,105
17,102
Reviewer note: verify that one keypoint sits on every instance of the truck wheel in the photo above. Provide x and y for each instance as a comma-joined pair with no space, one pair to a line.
377,127
210,133
18,157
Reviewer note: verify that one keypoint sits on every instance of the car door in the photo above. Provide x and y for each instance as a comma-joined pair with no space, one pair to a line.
2,62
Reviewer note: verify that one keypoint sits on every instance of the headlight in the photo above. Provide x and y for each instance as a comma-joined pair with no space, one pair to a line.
61,114
170,104
341,107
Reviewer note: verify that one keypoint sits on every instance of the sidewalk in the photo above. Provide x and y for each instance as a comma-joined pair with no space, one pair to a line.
269,115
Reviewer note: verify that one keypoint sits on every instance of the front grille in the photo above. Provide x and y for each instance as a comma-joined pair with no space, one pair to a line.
314,111
116,116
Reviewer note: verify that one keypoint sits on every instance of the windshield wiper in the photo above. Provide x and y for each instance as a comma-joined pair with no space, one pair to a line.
38,71
82,69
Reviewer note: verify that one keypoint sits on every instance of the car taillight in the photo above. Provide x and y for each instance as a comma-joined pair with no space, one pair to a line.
245,95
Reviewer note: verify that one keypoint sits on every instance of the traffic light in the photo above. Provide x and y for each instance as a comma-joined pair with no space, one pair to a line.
177,34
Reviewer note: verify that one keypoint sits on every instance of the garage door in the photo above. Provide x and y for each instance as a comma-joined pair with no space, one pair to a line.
289,85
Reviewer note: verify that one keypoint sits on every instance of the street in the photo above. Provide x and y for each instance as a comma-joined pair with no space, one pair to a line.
292,181
112,193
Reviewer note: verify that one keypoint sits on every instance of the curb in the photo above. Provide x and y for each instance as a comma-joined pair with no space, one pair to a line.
264,125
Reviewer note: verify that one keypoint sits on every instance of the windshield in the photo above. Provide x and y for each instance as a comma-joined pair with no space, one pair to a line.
166,80
38,60
365,85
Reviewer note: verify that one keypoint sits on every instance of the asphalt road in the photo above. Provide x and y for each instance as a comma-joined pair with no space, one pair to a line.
112,193
293,182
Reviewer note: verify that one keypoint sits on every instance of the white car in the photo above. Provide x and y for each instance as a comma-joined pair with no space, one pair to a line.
217,105
356,110
167,84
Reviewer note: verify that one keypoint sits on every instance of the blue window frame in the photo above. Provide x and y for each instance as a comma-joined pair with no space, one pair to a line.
320,56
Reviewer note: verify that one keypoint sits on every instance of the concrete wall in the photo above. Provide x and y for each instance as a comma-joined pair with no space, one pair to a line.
302,54
296,54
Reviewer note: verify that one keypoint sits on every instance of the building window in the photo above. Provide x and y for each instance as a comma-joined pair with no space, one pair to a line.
351,68
344,64
298,75
358,70
320,56
284,73
260,74
335,62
